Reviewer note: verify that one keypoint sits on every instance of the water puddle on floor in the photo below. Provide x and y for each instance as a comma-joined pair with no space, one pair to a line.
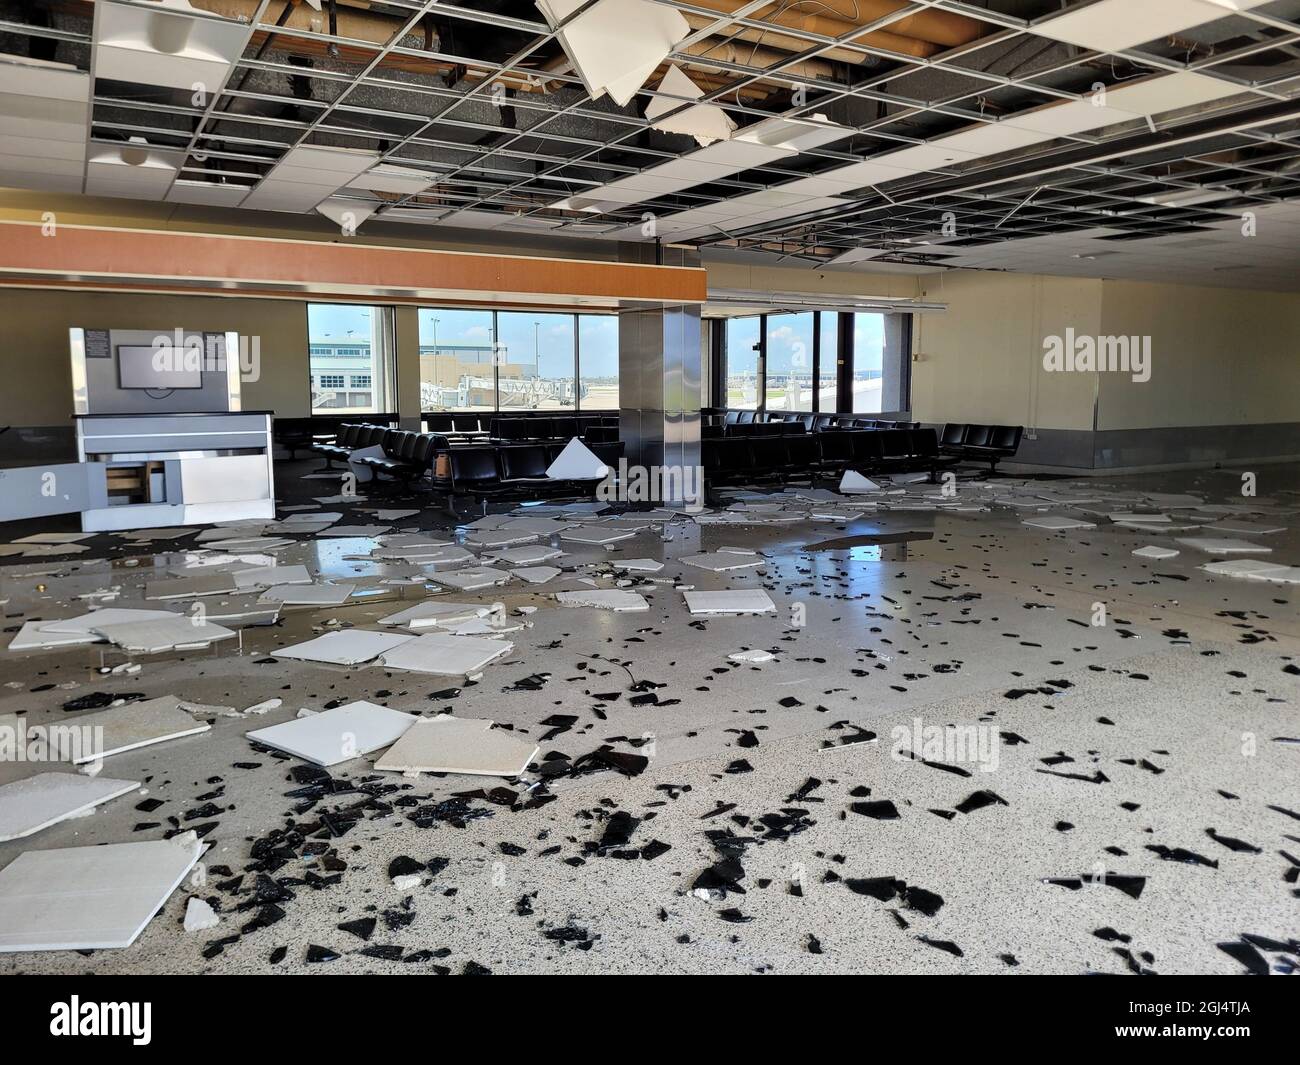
872,547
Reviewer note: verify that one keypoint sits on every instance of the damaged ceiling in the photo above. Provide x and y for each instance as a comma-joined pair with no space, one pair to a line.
846,131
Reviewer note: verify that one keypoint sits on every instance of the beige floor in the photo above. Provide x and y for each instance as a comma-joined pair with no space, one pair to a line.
1187,675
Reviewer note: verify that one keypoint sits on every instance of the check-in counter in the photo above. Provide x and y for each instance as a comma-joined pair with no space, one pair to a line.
152,470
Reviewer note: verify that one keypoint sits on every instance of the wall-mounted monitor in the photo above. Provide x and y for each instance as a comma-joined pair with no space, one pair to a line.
140,367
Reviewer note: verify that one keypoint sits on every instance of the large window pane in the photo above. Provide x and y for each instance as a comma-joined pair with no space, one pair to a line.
456,360
789,361
349,358
598,361
868,362
535,364
742,363
827,371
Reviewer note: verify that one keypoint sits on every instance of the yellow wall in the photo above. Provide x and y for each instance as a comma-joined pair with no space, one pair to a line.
35,362
1218,356
981,360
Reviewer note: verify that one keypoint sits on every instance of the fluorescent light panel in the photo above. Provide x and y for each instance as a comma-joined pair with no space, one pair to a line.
169,44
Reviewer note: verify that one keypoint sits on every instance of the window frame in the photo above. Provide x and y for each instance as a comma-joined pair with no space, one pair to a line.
383,361
899,356
495,313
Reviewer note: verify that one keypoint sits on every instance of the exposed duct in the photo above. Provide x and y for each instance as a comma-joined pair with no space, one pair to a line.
891,41
918,35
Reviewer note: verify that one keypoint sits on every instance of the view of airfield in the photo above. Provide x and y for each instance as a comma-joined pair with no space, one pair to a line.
470,360
790,383
567,361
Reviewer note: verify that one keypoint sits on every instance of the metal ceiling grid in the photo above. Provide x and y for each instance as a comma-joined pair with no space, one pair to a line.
481,98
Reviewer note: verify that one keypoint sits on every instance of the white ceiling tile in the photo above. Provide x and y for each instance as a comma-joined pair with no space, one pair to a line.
388,177
615,45
34,116
207,193
1117,25
794,134
1169,92
43,148
740,155
49,81
30,179
705,122
991,138
935,155
348,161
38,164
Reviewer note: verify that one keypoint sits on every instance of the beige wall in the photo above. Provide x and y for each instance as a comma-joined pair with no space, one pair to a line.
981,360
407,332
34,357
1218,356
732,275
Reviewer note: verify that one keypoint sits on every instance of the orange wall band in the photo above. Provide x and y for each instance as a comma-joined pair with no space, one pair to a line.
210,262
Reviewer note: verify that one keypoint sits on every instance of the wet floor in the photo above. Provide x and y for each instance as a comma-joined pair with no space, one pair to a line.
1127,715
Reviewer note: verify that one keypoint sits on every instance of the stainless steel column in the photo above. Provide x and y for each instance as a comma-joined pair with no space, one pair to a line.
659,380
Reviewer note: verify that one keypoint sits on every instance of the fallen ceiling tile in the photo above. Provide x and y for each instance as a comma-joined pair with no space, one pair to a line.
336,735
90,737
458,745
446,655
346,647
29,805
90,898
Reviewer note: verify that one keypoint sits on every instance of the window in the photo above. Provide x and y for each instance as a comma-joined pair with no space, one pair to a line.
536,363
517,360
598,361
828,342
456,370
349,342
868,362
789,361
742,362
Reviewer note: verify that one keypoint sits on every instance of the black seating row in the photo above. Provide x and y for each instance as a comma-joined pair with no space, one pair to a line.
470,422
294,433
752,460
728,419
406,455
349,437
566,427
981,443
512,470
782,428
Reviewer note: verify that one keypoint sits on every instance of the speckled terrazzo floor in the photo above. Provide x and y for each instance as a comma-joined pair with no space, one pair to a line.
1101,743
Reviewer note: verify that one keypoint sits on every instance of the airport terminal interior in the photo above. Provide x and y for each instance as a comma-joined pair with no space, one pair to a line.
650,486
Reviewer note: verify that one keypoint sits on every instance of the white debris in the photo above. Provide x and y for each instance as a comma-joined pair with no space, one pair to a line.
199,915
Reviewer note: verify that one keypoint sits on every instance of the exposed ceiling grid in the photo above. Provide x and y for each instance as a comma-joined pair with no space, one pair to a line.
1003,134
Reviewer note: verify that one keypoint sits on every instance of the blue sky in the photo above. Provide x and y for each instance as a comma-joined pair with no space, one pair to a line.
789,342
789,336
522,332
